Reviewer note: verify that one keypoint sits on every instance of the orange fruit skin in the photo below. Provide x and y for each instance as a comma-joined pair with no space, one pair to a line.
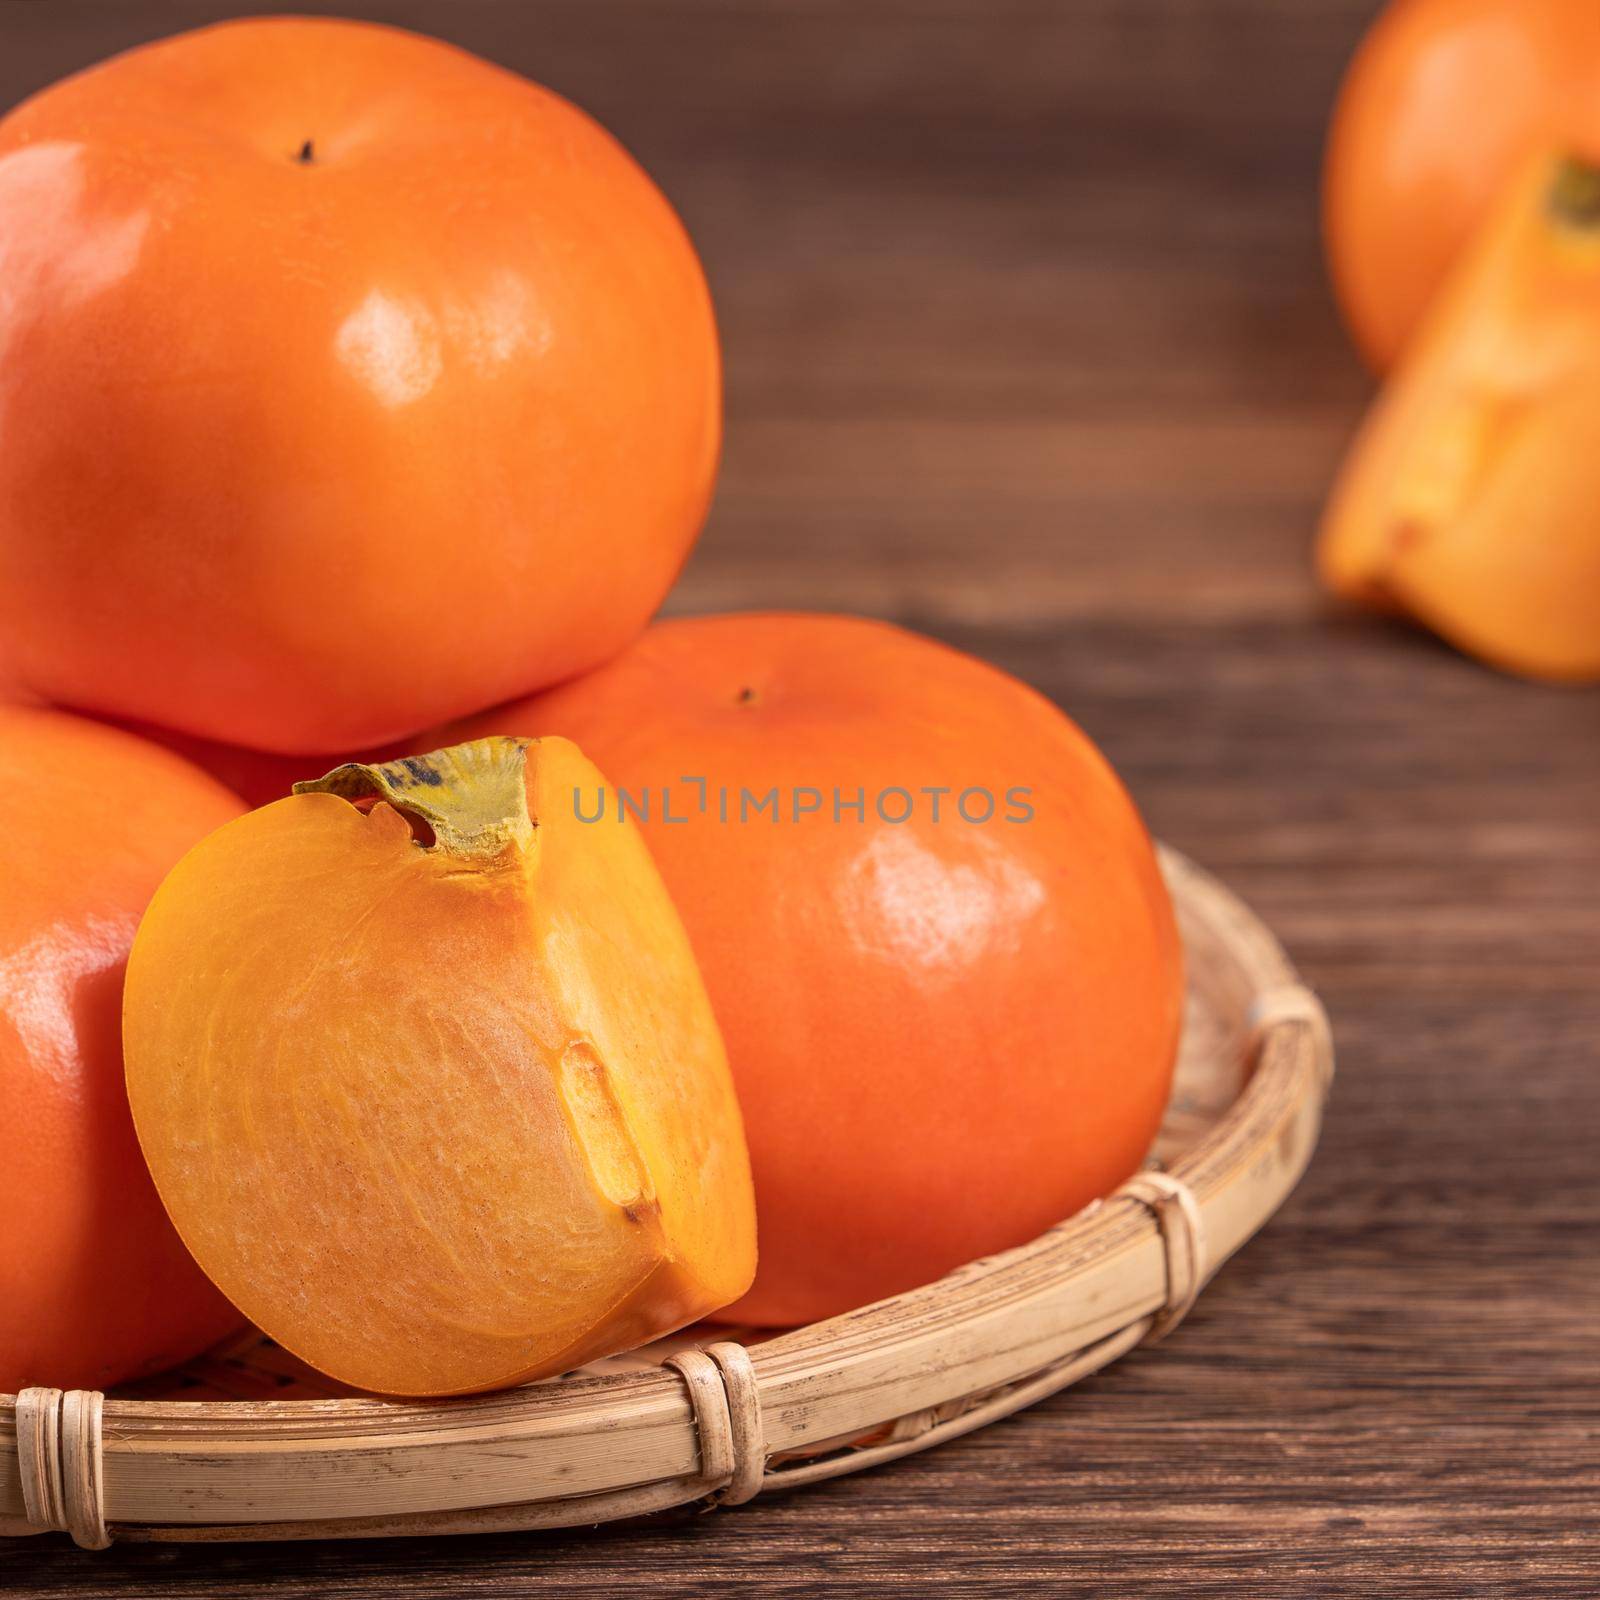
95,1286
1443,103
945,1037
258,777
1467,500
271,427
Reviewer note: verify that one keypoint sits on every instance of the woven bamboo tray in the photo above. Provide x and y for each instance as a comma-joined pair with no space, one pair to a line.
247,1444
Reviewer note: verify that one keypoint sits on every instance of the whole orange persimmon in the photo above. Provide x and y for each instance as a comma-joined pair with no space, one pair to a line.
1444,102
320,341
931,922
95,1285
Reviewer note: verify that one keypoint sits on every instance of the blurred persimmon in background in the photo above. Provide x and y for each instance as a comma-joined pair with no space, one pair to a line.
95,1284
1443,104
347,383
1471,497
951,1016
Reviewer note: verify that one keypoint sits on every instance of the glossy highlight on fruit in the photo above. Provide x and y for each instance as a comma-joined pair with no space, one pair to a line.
1444,103
1469,499
427,1076
95,1286
314,336
946,1035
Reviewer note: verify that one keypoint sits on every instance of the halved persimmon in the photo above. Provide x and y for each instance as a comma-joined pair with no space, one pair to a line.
1468,499
427,1077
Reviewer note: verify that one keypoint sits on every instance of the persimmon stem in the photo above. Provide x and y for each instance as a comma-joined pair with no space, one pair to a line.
307,154
472,797
1575,193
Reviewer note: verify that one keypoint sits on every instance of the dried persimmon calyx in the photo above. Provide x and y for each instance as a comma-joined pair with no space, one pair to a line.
472,798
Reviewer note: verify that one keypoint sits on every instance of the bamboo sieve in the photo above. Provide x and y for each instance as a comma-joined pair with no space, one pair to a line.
249,1445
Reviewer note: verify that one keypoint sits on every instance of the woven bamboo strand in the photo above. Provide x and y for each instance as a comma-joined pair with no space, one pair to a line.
59,1457
533,1516
727,1419
881,1382
1183,1236
1294,1002
38,1423
82,1468
713,1423
744,1414
588,1510
984,1410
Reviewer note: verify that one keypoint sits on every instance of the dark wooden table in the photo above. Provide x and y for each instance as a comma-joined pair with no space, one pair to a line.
1028,346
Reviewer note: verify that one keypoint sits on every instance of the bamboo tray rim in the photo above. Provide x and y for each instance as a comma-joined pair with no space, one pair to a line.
722,1423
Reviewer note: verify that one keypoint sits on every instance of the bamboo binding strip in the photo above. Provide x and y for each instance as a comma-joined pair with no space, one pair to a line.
721,1423
59,1459
1183,1238
727,1419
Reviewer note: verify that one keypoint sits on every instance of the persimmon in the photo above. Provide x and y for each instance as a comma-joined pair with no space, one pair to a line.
95,1286
951,1014
1469,497
427,1077
1443,104
310,329
256,776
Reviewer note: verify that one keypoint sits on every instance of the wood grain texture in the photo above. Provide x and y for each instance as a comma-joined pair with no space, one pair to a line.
1028,346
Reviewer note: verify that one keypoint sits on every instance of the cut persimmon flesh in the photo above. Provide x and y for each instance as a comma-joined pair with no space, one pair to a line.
1468,500
426,1076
